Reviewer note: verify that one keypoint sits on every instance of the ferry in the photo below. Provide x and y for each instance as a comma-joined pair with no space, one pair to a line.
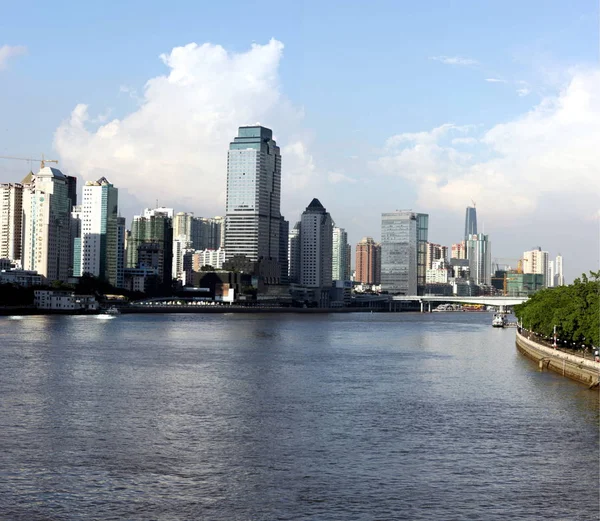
499,320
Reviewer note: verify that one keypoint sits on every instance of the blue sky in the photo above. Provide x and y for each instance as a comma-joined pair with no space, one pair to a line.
350,77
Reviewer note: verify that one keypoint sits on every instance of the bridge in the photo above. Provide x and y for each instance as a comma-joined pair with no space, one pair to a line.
500,302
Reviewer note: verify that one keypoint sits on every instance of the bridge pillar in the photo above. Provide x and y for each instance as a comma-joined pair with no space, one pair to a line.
421,302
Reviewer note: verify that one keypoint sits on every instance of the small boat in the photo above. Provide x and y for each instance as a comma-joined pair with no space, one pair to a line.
498,320
112,311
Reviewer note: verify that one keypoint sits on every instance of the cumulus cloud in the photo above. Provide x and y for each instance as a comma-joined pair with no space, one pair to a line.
338,177
495,80
10,51
174,144
551,150
454,60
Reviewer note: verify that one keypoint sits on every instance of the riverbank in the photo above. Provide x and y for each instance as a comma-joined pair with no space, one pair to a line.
571,366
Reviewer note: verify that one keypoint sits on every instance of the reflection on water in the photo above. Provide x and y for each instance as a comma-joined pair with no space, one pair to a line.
363,416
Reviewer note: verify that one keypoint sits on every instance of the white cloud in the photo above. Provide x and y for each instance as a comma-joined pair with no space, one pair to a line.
454,60
10,51
464,141
495,80
524,91
337,177
174,144
549,151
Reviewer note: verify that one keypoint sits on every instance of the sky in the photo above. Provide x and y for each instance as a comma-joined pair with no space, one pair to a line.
377,106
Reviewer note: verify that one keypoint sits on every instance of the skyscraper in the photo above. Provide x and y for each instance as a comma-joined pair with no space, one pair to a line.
284,231
403,251
479,254
550,275
11,210
470,222
536,261
459,250
253,195
435,252
316,245
558,266
294,254
99,231
368,261
340,269
47,224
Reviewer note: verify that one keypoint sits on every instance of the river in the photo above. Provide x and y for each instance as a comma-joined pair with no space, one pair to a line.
289,417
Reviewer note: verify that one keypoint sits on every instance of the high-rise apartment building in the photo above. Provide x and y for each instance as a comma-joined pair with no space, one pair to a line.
99,253
559,279
536,261
252,223
368,261
404,251
316,246
479,254
459,250
47,224
470,222
434,253
284,231
340,268
152,232
550,275
294,254
11,215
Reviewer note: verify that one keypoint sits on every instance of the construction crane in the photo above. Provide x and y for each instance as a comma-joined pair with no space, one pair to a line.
42,161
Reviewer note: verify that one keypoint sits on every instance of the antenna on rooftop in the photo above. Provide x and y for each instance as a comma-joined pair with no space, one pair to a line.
473,203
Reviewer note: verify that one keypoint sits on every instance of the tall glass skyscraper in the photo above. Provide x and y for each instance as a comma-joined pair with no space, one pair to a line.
470,222
403,251
252,223
480,259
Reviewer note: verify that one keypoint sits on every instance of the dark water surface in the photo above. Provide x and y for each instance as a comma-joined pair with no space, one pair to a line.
320,417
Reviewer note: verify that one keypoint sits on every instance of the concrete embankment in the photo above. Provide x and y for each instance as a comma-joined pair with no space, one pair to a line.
571,366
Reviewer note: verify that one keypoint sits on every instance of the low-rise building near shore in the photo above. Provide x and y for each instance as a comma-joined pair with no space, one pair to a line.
58,300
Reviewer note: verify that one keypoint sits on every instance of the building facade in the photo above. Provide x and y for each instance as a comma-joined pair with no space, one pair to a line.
459,250
559,278
47,225
316,246
99,253
480,259
340,268
403,252
294,254
435,253
11,216
252,224
470,222
536,261
368,262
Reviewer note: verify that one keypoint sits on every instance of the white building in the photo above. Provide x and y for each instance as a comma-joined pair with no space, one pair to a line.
536,262
63,301
438,273
252,225
47,224
340,268
100,250
316,245
559,279
294,254
550,275
214,258
22,278
11,214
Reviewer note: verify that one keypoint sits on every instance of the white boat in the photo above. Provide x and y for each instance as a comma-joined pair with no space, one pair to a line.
498,320
112,311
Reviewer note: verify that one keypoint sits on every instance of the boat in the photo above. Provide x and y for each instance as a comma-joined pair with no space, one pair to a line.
112,311
498,320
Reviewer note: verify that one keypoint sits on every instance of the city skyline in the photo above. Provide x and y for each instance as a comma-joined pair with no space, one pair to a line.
457,131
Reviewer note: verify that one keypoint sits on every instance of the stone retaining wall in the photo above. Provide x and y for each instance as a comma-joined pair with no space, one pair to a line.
571,366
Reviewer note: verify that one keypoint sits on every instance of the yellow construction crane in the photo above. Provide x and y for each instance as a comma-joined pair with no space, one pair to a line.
42,161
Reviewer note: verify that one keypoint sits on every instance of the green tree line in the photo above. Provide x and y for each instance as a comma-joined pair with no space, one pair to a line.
573,309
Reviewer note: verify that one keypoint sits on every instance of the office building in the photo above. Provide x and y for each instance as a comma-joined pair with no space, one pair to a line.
252,222
99,253
480,261
294,254
550,274
470,222
11,215
340,268
403,252
316,246
368,262
284,231
47,224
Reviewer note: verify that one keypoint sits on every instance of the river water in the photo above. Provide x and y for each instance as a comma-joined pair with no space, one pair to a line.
290,417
